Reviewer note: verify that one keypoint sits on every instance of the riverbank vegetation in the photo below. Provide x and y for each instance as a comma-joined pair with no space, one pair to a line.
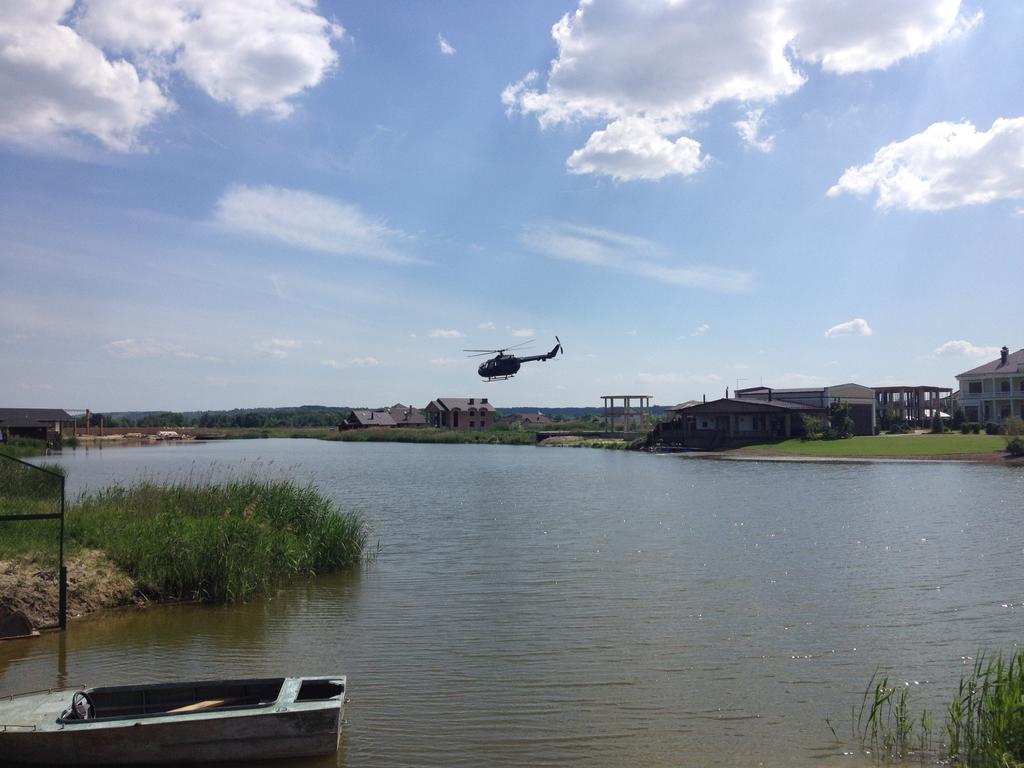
20,447
190,540
884,446
428,435
984,723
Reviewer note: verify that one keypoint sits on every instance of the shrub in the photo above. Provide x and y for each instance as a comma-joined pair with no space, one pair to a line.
936,423
899,428
991,428
1013,425
976,428
1015,445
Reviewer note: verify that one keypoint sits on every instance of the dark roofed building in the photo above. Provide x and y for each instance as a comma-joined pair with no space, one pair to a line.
35,423
407,416
731,420
363,419
861,400
460,413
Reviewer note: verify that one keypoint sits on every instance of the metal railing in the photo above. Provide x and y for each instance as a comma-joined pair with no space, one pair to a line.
62,573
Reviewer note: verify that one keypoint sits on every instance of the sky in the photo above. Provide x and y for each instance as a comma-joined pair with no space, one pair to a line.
214,204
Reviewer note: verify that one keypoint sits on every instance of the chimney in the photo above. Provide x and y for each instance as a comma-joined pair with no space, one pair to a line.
371,415
1004,354
769,394
705,397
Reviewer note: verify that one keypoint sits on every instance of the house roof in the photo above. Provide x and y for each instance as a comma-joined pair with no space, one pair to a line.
32,417
683,406
372,418
406,414
749,405
464,403
1014,362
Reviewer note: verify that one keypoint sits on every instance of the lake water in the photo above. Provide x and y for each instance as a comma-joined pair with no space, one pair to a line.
538,606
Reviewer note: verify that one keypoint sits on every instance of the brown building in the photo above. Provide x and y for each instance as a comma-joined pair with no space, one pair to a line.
861,400
460,413
407,416
35,423
362,419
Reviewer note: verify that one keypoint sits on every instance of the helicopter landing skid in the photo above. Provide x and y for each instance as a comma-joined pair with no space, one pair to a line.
498,378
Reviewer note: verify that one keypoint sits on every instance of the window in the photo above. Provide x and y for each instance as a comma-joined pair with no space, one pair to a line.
1004,386
974,387
472,424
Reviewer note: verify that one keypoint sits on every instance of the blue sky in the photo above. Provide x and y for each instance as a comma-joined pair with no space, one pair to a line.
240,203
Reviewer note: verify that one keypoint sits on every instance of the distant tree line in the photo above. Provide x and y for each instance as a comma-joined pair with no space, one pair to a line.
258,418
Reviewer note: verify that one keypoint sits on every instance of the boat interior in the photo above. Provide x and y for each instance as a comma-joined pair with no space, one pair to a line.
183,698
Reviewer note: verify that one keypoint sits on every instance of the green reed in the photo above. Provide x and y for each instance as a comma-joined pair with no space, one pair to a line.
216,542
885,724
984,722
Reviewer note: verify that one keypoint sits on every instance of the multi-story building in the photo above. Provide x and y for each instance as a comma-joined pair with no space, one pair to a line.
995,390
460,413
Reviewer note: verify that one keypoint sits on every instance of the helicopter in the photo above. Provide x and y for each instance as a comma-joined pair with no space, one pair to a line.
504,366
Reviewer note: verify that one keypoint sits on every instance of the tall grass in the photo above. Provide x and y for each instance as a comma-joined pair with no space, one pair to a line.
219,542
984,722
20,447
27,490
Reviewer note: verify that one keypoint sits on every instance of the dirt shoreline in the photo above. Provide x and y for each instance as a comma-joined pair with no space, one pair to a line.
993,459
94,583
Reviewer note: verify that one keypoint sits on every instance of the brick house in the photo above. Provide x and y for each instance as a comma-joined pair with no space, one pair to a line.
460,413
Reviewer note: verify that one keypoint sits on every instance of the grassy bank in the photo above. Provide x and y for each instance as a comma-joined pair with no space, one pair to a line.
20,447
199,541
427,435
984,723
573,441
878,446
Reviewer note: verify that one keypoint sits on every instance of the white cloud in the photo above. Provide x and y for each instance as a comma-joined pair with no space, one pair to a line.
856,327
701,329
252,54
355,362
488,326
655,379
446,361
310,221
632,148
524,333
446,48
278,349
749,130
945,166
55,85
441,333
104,68
961,348
150,347
798,380
646,70
626,253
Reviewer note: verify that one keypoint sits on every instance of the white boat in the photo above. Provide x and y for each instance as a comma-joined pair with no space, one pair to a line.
207,721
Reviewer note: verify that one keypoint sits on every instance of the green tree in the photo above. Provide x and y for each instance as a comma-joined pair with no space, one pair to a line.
839,420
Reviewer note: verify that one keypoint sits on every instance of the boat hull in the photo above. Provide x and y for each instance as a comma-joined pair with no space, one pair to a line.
303,721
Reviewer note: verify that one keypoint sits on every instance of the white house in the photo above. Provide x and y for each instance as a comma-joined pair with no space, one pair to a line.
995,390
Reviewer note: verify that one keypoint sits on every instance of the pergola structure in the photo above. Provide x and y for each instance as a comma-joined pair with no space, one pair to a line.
913,404
632,405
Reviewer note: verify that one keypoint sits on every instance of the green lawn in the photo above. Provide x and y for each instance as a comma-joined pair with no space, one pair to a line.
886,445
